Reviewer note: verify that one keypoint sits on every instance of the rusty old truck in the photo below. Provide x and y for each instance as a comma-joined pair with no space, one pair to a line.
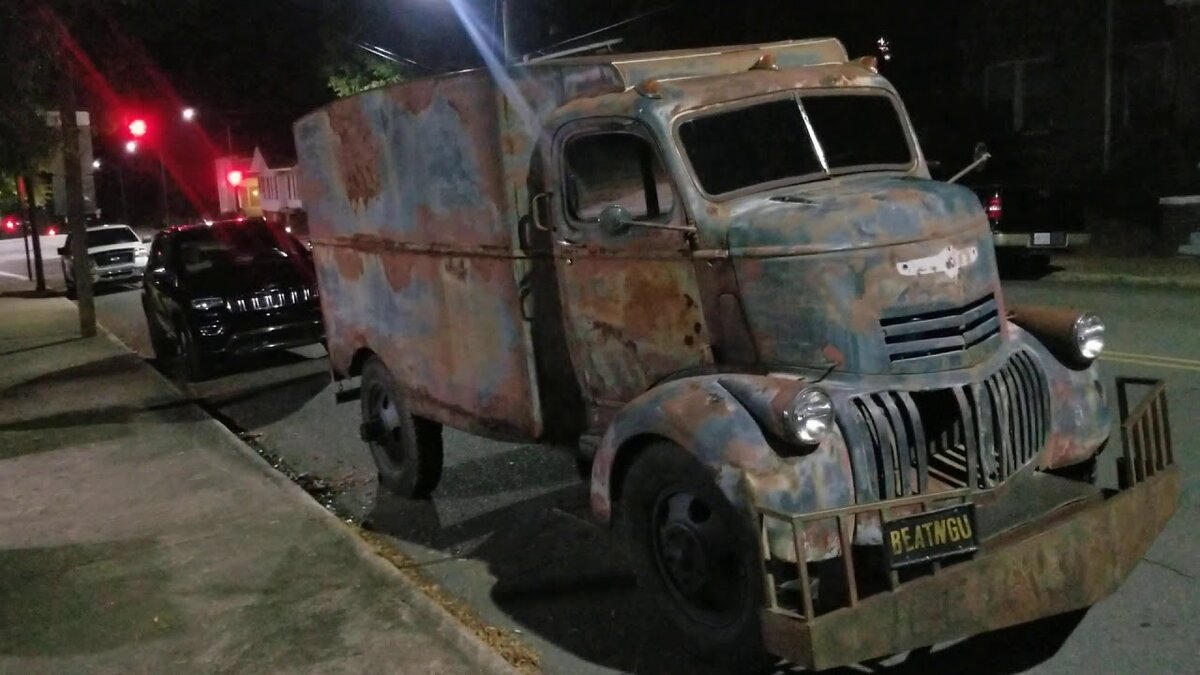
725,278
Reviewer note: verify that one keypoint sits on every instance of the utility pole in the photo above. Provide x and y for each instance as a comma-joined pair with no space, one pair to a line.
39,270
1106,159
73,174
24,227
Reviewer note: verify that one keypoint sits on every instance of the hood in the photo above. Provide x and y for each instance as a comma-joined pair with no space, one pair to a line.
232,281
876,275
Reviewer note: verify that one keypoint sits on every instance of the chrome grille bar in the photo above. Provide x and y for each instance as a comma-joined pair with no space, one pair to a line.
986,431
271,300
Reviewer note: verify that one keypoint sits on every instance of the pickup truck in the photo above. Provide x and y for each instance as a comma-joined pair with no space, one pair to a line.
1030,220
726,279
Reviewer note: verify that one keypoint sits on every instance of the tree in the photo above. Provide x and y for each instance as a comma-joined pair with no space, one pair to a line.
348,74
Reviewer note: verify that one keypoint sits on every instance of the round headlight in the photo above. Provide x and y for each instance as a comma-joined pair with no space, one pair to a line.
810,416
1089,336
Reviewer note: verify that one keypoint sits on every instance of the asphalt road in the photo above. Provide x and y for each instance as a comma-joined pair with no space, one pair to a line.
508,533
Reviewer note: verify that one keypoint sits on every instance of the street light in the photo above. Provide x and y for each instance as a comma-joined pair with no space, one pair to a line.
188,114
96,164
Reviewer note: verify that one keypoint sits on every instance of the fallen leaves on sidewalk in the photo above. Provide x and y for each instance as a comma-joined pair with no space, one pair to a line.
517,653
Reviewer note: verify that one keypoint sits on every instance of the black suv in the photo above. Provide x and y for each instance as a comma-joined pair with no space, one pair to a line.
229,288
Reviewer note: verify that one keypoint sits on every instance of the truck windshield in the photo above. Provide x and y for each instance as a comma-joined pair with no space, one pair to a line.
235,246
110,236
770,144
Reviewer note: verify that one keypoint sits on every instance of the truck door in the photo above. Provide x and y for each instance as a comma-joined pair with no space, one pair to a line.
630,301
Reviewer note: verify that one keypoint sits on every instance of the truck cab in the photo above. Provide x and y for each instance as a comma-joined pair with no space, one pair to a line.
727,278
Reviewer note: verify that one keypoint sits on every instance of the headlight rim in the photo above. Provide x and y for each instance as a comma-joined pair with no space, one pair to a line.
1088,329
796,423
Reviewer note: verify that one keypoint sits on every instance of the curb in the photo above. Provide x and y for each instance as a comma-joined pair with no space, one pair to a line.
1122,279
444,624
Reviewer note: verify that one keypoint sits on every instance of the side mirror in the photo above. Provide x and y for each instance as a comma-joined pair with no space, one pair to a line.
62,251
981,157
981,152
615,219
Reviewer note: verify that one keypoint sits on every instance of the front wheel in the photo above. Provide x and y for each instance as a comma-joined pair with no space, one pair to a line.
407,450
196,367
694,552
160,344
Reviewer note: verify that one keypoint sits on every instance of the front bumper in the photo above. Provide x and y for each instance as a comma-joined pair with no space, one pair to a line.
118,274
244,341
1068,558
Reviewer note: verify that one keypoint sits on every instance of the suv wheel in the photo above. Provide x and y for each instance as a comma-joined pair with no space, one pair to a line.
160,344
196,366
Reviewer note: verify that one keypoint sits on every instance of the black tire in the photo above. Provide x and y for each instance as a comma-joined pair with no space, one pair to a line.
162,346
196,364
407,450
695,552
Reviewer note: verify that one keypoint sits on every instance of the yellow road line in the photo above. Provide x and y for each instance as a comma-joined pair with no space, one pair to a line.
1151,357
1152,364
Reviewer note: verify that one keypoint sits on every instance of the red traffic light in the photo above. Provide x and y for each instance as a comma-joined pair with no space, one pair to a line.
138,128
234,177
10,224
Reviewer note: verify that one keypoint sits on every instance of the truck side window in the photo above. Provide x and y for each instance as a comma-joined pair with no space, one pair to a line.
622,168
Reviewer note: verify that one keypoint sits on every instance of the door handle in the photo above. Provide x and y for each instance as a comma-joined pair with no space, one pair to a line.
535,215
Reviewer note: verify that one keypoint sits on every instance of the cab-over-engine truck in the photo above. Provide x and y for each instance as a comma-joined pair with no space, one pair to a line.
726,277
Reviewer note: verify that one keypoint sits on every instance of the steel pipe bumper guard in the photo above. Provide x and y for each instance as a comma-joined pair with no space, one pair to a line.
864,605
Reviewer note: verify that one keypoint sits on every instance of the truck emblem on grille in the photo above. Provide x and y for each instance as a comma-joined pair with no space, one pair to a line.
949,261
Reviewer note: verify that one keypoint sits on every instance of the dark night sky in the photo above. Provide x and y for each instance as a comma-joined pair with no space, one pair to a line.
253,66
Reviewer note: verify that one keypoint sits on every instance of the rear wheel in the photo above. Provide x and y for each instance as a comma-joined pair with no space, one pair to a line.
407,450
694,552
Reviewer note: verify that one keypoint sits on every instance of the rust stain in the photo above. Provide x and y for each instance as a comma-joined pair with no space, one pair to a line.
356,151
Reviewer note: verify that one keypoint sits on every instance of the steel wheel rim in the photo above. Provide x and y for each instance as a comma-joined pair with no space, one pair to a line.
383,409
698,557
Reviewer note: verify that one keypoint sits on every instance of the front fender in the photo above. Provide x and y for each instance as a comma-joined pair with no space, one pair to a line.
728,422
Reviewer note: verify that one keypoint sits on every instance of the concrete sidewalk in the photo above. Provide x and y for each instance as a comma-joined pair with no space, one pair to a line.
138,535
1179,272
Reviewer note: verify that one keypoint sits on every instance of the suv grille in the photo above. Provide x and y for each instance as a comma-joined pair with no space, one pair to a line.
916,336
976,435
272,300
113,258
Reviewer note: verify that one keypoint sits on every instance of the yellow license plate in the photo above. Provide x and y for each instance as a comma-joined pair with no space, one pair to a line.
930,536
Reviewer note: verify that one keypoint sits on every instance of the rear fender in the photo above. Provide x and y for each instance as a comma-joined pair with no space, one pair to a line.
730,424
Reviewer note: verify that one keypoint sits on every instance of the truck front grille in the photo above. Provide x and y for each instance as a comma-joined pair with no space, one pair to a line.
969,436
916,336
113,258
271,300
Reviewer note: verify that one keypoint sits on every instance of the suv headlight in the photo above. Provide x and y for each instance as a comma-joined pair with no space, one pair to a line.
810,416
205,304
1089,336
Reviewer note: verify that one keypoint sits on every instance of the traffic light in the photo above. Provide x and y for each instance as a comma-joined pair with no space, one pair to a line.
138,128
234,177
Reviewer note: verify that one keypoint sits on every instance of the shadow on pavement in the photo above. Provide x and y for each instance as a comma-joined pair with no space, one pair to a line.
85,598
42,345
1025,268
566,579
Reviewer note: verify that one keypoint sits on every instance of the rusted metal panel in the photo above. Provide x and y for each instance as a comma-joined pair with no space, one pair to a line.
414,195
